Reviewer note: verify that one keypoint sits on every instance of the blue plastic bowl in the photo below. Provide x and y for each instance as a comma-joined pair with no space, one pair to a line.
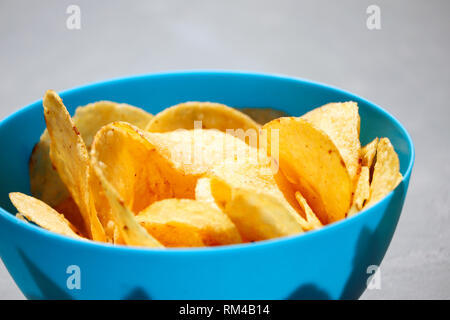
331,263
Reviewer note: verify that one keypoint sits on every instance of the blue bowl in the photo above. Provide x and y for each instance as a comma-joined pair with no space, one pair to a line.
331,263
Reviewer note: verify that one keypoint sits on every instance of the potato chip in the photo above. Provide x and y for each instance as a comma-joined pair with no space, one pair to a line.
196,152
203,192
135,168
188,223
257,177
247,174
368,153
130,230
260,216
263,115
45,182
341,122
255,174
386,173
103,209
313,165
43,215
118,238
204,115
311,222
90,118
21,217
69,155
69,209
362,191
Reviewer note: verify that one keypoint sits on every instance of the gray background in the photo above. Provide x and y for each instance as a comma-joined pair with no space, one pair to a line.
403,67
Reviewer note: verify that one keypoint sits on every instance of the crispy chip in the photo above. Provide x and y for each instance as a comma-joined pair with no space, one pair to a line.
45,182
212,116
263,115
130,230
368,153
43,215
104,212
203,192
362,191
386,173
21,217
260,216
341,122
69,209
135,168
188,223
311,222
247,174
311,162
90,118
257,177
197,151
69,155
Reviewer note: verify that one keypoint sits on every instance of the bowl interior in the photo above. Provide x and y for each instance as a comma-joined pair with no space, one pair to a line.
20,131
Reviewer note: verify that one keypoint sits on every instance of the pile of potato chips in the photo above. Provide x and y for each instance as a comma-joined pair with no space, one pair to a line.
200,173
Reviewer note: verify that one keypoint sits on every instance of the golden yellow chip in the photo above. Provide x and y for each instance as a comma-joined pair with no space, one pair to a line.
254,177
341,122
203,192
69,155
368,153
135,168
188,223
263,115
102,207
43,215
196,152
130,230
248,174
253,174
313,165
362,191
90,118
260,216
69,209
45,182
21,217
312,222
386,173
205,115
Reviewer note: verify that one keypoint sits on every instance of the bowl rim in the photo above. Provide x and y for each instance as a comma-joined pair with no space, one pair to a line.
264,244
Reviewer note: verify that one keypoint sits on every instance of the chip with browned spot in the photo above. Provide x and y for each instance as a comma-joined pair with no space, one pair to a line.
341,122
69,155
313,165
